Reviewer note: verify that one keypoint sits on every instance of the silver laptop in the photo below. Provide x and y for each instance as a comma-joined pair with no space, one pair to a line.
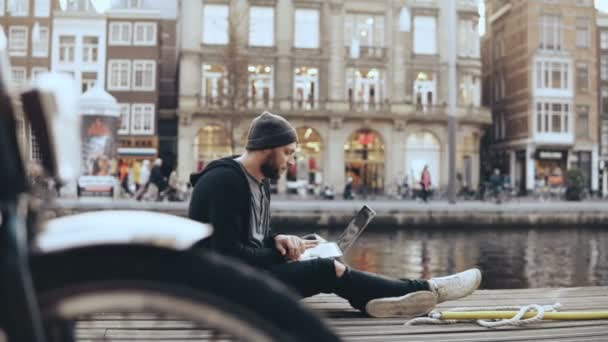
345,240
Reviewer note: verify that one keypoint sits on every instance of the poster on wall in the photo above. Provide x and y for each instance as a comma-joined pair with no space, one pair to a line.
99,142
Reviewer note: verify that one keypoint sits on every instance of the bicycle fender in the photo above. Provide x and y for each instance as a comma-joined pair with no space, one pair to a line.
111,227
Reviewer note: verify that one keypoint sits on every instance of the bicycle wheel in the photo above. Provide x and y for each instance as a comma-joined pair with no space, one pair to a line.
148,293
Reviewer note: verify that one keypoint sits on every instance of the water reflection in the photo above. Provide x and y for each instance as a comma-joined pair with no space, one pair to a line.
508,258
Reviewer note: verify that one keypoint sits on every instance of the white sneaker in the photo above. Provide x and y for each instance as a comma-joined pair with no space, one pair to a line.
455,286
411,305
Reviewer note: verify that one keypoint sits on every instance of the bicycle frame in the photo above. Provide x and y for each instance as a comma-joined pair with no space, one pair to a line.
20,314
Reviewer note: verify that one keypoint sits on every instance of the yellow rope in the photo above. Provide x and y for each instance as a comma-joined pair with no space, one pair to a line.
567,315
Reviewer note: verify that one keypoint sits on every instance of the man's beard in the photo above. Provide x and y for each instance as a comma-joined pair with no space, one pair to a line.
269,168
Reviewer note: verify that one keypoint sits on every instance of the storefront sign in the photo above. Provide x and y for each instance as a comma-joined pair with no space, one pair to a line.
553,155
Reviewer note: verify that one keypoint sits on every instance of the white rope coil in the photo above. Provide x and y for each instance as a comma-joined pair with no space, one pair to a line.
434,317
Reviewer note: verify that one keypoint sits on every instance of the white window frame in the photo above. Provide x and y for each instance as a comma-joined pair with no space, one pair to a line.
42,8
148,29
142,65
582,133
70,50
215,24
306,28
88,48
363,85
121,26
20,69
543,133
543,75
145,109
21,49
255,18
35,153
22,8
124,126
89,82
425,35
115,84
41,47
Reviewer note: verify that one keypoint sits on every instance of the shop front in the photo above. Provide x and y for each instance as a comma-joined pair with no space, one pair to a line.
550,169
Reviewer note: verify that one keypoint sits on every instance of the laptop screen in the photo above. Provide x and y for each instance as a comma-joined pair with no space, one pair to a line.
355,228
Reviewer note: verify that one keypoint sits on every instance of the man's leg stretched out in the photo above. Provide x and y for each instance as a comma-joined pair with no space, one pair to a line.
374,294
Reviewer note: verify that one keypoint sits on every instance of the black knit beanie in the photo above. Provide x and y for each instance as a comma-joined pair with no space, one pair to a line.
269,131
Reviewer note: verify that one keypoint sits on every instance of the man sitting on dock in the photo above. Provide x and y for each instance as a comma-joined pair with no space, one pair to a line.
233,194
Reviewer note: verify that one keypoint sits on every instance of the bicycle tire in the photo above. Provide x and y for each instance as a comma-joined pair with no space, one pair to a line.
202,287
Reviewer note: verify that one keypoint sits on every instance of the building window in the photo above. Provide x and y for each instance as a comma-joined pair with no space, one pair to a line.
90,48
470,90
88,80
604,68
425,35
124,118
215,24
120,33
215,85
261,26
550,32
79,6
37,71
119,74
19,75
604,101
582,122
18,8
604,40
582,32
40,46
67,45
367,30
261,86
552,75
144,75
306,87
133,4
144,34
17,40
364,88
425,90
552,117
42,8
468,39
142,118
306,29
582,78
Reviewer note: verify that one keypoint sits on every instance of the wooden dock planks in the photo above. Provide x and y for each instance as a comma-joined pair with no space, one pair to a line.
351,325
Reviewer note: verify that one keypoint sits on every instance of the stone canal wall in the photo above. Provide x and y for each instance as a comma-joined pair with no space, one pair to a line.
389,213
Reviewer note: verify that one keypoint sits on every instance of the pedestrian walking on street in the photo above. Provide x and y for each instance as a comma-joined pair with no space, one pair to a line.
233,194
144,178
425,183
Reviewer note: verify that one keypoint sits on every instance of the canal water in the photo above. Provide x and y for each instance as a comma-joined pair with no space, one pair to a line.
509,258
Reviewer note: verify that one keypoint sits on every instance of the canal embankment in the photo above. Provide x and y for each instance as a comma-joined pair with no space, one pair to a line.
389,212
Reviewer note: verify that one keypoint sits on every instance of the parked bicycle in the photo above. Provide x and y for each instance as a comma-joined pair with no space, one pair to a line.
59,274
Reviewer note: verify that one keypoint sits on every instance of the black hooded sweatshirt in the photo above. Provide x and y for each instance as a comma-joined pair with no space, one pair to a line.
221,197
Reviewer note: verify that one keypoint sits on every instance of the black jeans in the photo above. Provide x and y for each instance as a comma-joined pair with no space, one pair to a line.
316,276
